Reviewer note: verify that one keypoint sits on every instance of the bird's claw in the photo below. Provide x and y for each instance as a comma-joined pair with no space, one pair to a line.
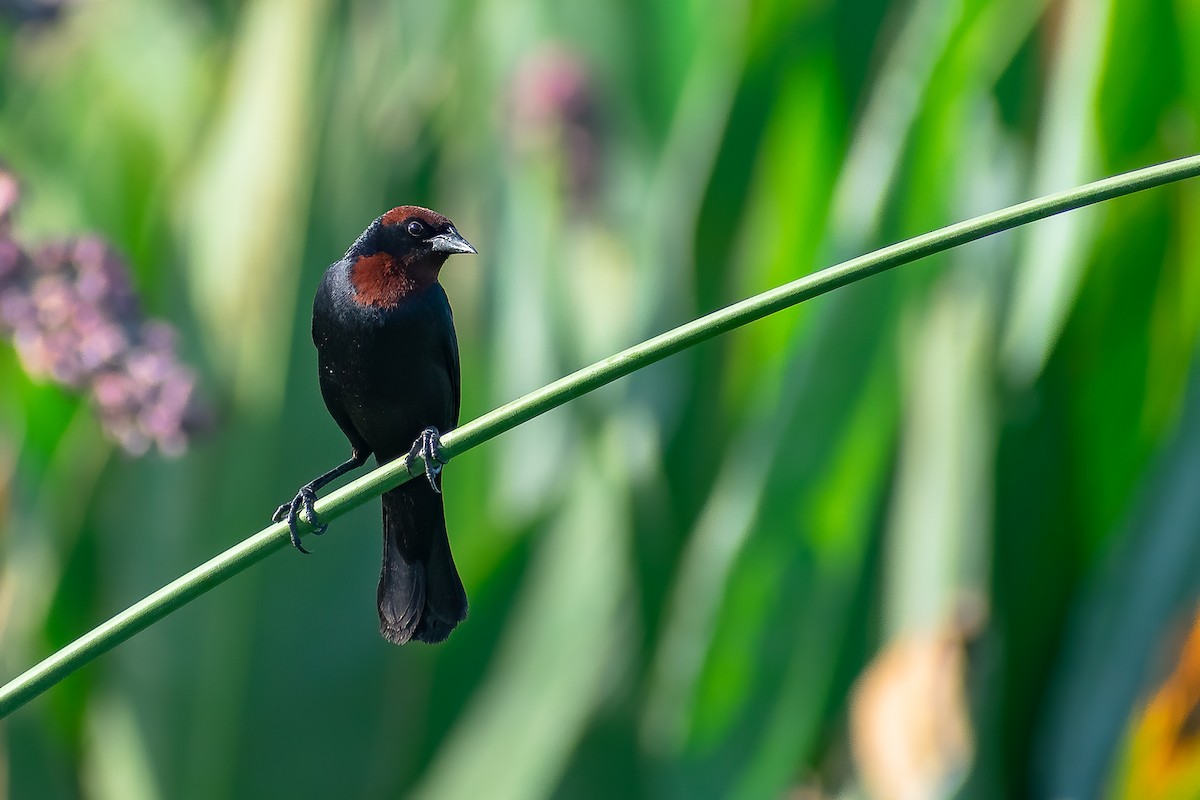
303,501
429,447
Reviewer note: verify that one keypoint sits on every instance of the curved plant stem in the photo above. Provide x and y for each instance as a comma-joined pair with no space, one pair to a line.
179,592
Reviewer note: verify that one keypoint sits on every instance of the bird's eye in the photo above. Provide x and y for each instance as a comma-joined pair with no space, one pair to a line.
416,229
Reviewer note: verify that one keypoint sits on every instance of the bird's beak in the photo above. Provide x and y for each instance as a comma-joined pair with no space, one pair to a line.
451,242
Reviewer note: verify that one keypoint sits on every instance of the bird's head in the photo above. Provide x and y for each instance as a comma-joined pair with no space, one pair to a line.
402,252
412,234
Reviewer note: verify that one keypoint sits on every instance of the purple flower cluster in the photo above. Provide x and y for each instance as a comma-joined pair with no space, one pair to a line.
74,319
554,104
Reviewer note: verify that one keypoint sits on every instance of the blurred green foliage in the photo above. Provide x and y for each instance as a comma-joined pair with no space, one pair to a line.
674,582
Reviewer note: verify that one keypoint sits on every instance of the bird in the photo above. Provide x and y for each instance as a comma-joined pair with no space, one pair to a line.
388,367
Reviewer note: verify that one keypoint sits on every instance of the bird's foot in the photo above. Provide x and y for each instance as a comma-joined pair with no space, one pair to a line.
429,447
303,501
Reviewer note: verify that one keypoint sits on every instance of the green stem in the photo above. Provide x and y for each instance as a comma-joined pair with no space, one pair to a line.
154,607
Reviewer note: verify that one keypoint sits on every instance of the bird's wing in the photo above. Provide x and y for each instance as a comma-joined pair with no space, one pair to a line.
326,337
452,364
334,396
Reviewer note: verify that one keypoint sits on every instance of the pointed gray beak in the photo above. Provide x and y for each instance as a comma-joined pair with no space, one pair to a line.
450,242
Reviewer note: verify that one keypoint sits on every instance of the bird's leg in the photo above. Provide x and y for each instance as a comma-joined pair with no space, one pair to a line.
307,495
429,447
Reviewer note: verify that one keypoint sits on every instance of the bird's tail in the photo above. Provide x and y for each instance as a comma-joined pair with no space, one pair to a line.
420,594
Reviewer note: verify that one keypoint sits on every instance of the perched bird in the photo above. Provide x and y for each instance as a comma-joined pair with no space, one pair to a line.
389,373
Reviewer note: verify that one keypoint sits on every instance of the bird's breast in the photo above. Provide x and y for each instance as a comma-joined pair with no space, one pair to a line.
390,369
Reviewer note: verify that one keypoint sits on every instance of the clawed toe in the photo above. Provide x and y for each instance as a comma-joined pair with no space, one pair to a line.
293,531
306,497
290,512
429,447
310,497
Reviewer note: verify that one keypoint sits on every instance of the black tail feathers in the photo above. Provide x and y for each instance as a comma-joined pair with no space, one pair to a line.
420,594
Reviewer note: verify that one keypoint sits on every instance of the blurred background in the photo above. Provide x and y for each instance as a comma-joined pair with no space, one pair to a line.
934,535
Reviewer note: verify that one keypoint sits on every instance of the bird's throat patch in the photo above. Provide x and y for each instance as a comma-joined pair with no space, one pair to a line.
380,281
